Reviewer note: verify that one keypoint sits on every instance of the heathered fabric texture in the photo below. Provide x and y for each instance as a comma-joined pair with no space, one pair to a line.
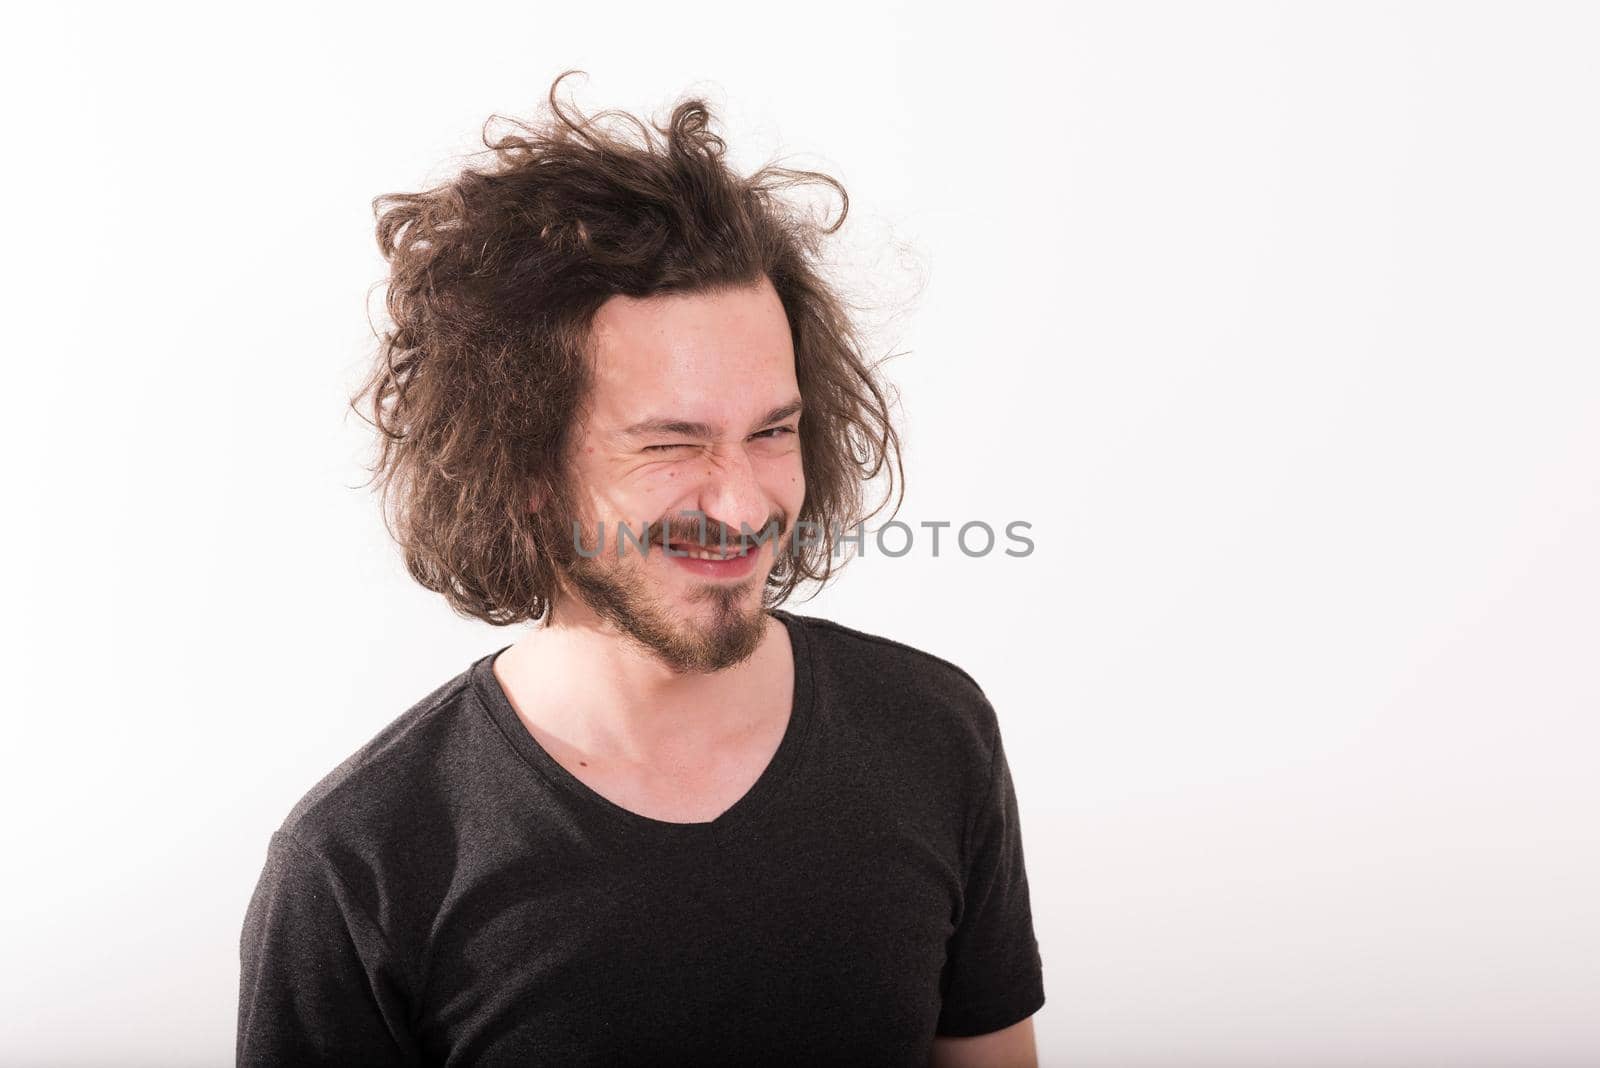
451,895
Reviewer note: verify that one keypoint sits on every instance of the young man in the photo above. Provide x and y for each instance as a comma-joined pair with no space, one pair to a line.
673,823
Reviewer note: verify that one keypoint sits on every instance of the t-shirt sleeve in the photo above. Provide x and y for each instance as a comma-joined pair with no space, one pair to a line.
318,983
993,977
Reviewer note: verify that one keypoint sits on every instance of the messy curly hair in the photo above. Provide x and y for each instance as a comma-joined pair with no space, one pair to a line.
494,280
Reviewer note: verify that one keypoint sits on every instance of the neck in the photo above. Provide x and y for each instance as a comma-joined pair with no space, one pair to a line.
577,678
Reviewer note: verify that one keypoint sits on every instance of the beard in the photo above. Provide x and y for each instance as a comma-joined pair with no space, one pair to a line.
617,591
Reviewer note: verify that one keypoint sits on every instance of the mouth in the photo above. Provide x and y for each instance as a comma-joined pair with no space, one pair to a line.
705,552
713,562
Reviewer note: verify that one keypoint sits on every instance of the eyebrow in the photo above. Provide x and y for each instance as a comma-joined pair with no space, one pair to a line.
662,425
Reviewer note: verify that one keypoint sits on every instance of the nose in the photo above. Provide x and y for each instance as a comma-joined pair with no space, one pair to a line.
731,492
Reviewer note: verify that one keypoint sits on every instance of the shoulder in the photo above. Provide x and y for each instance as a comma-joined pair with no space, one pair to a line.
885,652
374,817
369,773
897,684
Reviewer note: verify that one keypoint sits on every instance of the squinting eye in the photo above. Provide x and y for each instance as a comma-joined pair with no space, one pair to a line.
663,448
776,432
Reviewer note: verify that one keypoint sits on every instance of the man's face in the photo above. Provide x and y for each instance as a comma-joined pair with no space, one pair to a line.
694,409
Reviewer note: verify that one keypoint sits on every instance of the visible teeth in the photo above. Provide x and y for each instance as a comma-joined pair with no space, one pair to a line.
702,554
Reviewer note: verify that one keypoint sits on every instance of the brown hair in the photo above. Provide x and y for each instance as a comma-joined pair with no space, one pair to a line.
494,279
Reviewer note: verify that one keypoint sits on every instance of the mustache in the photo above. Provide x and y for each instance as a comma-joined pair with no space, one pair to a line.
715,534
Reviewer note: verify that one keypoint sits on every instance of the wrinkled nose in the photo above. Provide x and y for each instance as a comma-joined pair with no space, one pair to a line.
731,493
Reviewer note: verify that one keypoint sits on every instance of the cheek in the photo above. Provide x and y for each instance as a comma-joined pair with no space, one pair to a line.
788,482
649,494
664,481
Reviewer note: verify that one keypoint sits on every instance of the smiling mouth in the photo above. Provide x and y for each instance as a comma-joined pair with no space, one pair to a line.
700,552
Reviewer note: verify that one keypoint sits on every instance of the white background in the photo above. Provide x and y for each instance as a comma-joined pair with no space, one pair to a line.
1278,323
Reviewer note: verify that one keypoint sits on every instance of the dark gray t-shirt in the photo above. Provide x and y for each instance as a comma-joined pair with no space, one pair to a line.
452,895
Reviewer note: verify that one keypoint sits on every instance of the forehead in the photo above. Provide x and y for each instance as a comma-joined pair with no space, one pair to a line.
712,357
